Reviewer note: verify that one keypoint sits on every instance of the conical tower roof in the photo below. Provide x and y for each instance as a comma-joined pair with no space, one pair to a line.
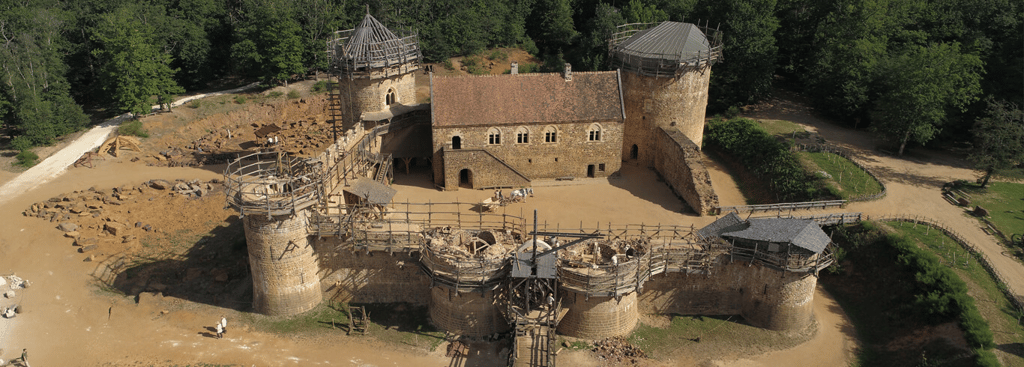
371,45
665,47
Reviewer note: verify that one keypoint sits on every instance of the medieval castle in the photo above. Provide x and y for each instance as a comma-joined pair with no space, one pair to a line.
326,228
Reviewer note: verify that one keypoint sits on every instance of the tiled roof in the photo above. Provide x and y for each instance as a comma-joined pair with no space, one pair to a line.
526,98
803,233
372,191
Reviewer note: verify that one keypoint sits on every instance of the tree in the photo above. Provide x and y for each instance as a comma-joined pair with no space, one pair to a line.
749,49
36,104
133,65
267,40
637,12
920,84
998,138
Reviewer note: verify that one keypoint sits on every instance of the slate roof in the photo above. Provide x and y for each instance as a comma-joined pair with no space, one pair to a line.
730,222
803,233
533,98
672,42
372,191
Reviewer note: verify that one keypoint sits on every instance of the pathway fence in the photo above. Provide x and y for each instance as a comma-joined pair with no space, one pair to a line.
806,205
982,258
828,148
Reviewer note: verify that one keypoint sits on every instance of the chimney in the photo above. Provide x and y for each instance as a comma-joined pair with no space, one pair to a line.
568,72
515,68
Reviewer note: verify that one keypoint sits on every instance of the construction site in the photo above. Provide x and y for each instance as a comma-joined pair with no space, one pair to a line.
325,226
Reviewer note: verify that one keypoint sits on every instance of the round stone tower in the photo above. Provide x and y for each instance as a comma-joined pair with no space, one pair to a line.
374,67
666,71
273,195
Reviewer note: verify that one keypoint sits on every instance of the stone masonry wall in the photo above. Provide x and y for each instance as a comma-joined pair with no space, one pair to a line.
569,156
598,317
652,102
283,266
377,277
369,95
471,314
680,163
765,297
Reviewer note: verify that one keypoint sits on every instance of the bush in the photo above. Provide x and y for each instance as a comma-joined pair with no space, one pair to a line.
528,67
448,64
133,128
195,104
26,158
240,99
733,111
275,94
319,87
21,143
293,94
498,55
764,156
530,47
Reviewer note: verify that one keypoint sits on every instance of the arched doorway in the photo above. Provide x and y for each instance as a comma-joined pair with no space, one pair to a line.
456,142
634,152
466,178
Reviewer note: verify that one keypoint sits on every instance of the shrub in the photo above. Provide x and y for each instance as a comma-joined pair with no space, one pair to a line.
26,158
195,104
498,55
21,143
448,64
133,128
530,47
319,87
764,156
240,99
733,111
293,94
275,94
528,67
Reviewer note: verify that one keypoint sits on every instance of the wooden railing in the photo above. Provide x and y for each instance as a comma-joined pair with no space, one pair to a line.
806,205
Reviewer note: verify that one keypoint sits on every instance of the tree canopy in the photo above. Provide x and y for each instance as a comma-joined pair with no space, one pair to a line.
998,138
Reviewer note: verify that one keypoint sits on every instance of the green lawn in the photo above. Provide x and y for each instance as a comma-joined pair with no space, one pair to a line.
783,128
991,302
848,180
714,332
1005,203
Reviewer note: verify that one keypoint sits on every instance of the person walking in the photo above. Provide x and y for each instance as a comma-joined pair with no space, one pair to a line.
224,323
220,331
24,357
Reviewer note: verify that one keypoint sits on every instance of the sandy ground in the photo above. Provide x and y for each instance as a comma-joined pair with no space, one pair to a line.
69,322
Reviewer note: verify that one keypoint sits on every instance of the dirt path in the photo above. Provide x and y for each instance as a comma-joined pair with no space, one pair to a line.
913,182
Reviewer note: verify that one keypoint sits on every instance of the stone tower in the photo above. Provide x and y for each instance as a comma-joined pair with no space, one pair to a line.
274,196
374,68
666,69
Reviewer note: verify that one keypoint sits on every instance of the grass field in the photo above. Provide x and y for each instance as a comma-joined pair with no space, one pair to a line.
1005,203
784,128
997,310
701,334
849,180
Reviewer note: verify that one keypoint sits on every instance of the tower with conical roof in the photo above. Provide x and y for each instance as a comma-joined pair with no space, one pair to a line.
666,71
374,67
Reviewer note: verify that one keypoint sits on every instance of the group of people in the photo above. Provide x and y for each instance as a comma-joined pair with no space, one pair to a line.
222,327
515,195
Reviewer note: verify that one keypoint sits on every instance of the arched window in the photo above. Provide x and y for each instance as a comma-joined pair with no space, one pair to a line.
550,134
390,98
594,133
522,135
456,142
494,136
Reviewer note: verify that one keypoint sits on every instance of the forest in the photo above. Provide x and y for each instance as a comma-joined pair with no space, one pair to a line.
912,71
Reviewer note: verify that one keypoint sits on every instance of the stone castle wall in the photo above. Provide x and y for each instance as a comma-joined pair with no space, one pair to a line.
375,277
571,155
369,95
598,317
679,102
472,314
765,297
283,265
679,161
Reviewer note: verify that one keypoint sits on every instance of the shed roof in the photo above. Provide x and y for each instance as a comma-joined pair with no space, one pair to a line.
803,233
730,222
672,42
372,191
526,98
373,44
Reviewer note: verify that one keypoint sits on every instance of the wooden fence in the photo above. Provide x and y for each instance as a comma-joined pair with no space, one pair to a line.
827,148
806,205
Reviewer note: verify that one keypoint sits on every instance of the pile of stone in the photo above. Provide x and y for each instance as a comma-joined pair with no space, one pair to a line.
194,188
602,252
618,351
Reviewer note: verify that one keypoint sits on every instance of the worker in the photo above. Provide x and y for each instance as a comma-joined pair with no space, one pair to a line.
24,357
224,323
220,331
